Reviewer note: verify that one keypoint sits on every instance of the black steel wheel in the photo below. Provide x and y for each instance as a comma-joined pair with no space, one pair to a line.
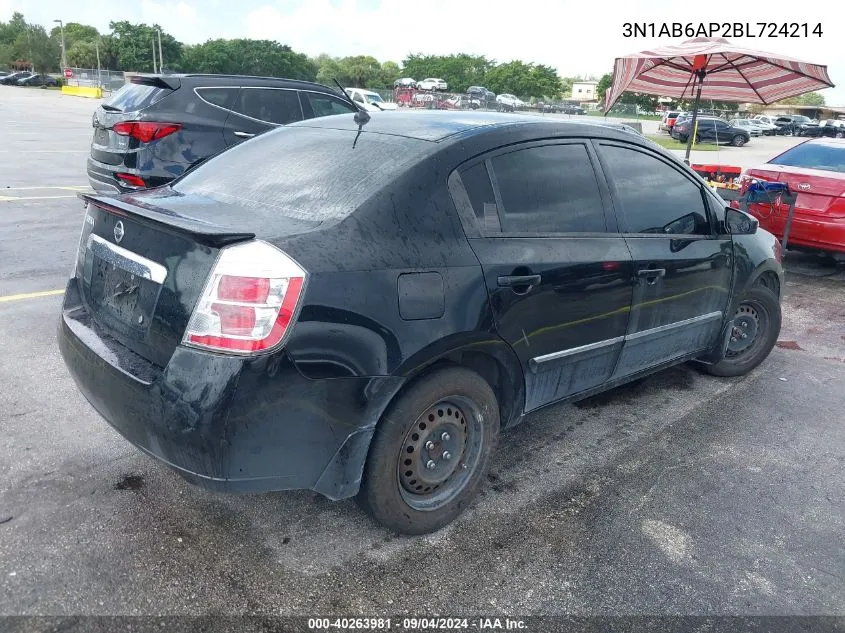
430,451
754,332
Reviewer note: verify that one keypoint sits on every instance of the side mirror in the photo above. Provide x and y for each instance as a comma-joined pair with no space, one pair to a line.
740,223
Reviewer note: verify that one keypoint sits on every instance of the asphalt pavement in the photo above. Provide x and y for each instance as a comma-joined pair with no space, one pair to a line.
679,494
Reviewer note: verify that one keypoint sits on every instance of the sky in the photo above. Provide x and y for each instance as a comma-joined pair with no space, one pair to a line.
579,37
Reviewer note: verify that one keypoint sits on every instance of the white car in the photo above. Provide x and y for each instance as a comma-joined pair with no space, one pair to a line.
509,102
370,100
432,83
752,127
405,82
767,123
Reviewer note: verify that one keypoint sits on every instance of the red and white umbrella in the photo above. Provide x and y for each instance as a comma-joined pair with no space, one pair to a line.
724,72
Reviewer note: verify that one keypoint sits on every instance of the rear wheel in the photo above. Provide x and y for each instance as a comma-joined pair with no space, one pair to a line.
430,452
755,330
738,140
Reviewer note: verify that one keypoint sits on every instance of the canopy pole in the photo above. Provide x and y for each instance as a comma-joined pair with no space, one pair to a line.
701,74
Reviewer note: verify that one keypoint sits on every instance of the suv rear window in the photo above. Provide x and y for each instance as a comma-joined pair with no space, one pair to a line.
299,173
133,97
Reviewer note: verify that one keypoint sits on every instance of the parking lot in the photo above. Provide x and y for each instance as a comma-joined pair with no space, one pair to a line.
679,494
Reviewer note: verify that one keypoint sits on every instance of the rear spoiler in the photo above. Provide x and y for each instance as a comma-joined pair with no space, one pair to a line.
198,230
159,81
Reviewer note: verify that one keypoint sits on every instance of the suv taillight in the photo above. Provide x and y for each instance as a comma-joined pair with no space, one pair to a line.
146,131
250,301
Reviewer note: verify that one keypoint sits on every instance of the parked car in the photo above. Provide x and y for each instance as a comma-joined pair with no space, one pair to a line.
405,82
767,129
833,128
815,170
231,325
369,100
668,120
810,127
508,103
37,80
792,125
765,118
482,94
158,126
748,125
432,83
569,108
712,130
12,79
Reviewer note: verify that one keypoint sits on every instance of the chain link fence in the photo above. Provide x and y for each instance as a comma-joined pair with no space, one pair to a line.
108,80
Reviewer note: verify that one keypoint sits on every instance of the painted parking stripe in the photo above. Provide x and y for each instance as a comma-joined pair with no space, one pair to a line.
37,187
24,198
31,295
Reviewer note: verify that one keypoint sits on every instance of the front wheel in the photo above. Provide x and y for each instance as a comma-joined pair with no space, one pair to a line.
738,140
430,452
756,326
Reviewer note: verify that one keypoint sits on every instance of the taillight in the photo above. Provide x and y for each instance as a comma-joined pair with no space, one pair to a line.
131,179
249,302
146,131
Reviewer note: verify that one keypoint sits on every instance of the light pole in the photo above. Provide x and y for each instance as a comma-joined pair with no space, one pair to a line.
160,63
64,56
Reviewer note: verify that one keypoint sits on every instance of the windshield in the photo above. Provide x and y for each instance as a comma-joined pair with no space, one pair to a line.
374,98
813,156
801,119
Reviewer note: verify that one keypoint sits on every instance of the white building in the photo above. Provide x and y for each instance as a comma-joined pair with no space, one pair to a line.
584,90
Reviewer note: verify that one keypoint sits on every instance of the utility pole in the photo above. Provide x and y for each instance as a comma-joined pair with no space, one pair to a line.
154,55
160,58
99,77
64,55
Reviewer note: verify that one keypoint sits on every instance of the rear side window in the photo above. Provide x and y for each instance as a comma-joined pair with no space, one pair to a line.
317,105
549,189
269,105
133,97
480,192
221,97
813,156
655,198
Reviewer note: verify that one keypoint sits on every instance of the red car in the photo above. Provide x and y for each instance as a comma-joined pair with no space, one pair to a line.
815,170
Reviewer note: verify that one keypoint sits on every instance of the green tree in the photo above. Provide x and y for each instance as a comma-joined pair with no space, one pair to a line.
807,99
247,57
460,71
83,54
74,32
603,86
524,80
134,45
390,72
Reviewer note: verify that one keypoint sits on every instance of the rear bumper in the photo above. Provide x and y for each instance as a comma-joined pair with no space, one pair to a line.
225,423
809,231
103,177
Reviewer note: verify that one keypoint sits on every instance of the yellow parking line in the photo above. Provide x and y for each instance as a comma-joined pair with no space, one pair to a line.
31,295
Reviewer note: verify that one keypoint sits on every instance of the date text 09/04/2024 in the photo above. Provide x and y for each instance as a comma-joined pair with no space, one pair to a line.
721,29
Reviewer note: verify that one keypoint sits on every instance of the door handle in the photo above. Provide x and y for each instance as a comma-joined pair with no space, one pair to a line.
511,281
243,134
651,274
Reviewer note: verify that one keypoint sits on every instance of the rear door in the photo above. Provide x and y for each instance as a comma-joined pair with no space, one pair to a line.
683,269
557,272
257,110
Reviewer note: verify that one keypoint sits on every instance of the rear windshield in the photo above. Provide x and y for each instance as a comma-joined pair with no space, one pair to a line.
813,156
133,97
301,173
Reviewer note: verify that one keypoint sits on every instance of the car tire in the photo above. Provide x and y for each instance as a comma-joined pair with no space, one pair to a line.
840,134
760,312
452,410
738,140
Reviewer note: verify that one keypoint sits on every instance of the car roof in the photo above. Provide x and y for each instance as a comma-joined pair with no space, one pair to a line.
197,79
439,125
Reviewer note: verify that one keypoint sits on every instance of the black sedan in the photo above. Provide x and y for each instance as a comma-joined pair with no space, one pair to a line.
359,307
38,80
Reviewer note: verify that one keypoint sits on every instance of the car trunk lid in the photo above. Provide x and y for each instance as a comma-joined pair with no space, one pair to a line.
818,192
141,269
